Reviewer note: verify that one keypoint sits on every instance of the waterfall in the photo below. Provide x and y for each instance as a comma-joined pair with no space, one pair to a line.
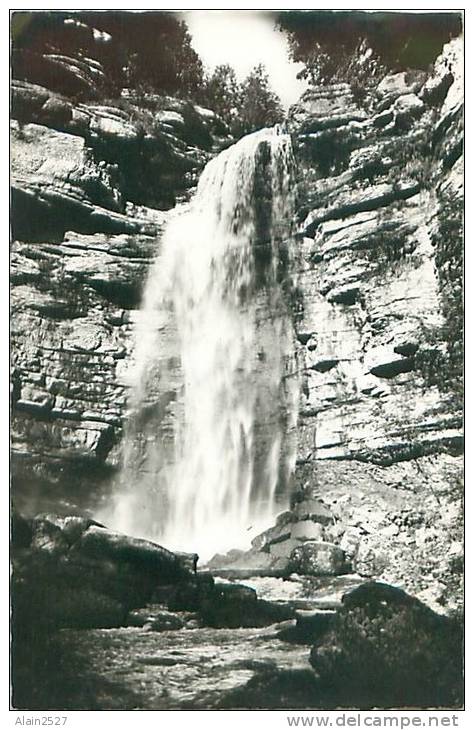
210,444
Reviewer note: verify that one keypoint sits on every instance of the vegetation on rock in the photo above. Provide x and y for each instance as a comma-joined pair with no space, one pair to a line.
361,47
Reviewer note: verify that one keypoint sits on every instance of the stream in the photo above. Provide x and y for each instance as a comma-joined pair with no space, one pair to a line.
196,668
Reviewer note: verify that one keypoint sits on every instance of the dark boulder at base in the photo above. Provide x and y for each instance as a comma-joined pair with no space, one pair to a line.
226,605
189,595
51,592
387,649
73,572
100,543
237,606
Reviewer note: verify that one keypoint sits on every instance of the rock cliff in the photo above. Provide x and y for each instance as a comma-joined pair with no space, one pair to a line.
380,323
83,241
378,312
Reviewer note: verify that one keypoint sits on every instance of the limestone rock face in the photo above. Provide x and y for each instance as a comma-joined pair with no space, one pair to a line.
370,279
56,183
150,153
72,313
83,245
380,321
66,56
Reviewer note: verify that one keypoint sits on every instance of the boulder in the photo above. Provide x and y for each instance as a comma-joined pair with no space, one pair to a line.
282,550
229,605
155,618
387,649
50,591
310,626
79,574
188,596
307,530
226,605
277,689
318,558
277,533
285,517
165,566
71,527
315,510
234,609
237,564
393,86
48,536
350,541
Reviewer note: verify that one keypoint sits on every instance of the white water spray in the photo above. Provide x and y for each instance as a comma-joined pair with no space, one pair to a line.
209,449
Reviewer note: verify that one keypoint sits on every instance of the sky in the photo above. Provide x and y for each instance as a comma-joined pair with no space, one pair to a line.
244,39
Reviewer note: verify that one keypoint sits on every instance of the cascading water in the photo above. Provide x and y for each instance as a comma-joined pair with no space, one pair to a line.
209,449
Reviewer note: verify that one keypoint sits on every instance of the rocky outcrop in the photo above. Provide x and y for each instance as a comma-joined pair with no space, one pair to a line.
73,308
82,246
380,323
73,572
64,54
379,327
369,274
74,162
368,652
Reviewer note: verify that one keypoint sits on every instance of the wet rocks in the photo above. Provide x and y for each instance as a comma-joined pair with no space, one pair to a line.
298,542
224,609
156,618
309,627
100,543
82,575
318,558
189,595
387,649
226,605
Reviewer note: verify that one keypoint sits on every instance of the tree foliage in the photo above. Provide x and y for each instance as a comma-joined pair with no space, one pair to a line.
337,46
222,93
247,106
145,49
158,50
260,106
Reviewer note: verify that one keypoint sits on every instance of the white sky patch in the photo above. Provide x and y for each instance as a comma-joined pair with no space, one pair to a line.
244,39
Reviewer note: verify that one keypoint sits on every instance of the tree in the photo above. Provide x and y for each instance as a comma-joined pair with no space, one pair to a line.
158,48
260,106
223,93
144,49
333,46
